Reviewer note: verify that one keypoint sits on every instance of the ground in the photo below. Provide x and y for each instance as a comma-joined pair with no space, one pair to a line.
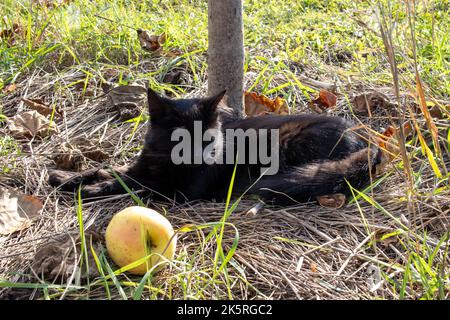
389,242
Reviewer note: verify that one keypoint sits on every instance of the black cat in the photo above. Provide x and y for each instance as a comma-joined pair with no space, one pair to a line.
317,155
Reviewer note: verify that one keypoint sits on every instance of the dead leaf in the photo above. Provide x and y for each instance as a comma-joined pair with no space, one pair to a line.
69,158
10,35
325,100
366,102
388,141
436,112
39,106
385,242
96,155
9,88
260,105
29,206
177,77
150,42
128,111
31,124
128,100
51,3
335,201
17,210
72,156
58,259
174,53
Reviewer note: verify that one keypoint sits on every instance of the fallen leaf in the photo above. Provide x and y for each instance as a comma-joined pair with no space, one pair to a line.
72,156
387,239
17,210
30,124
9,88
388,141
260,105
436,112
335,201
96,154
177,77
69,159
174,53
29,206
10,35
58,259
128,100
128,111
150,42
325,100
51,3
39,106
434,109
366,102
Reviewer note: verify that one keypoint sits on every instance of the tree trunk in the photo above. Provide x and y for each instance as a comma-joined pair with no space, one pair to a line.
226,51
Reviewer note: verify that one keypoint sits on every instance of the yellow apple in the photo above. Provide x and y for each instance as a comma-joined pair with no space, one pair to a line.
136,232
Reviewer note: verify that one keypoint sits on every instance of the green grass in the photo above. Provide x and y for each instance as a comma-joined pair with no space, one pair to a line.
328,39
308,32
11,149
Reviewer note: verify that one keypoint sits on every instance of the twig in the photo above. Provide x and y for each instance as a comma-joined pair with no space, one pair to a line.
318,84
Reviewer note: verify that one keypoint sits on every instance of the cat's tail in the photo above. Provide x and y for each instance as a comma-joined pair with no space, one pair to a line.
307,182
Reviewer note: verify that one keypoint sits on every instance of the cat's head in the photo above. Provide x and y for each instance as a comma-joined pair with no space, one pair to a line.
183,113
195,122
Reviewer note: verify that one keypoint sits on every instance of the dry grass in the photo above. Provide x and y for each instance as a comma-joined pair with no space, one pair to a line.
394,248
300,252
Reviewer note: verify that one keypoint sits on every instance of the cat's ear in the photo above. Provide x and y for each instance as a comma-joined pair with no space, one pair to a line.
211,103
156,105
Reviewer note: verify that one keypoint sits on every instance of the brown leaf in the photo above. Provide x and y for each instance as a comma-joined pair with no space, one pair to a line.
72,156
174,53
17,210
69,158
437,113
58,258
128,100
336,200
52,3
177,77
29,206
325,100
96,155
90,150
39,106
31,124
435,110
9,88
388,141
366,102
10,35
128,111
150,42
260,105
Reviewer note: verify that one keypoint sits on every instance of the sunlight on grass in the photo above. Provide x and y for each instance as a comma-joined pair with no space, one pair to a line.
357,45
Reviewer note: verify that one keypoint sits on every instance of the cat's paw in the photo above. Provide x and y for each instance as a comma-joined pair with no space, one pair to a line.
99,189
59,178
68,180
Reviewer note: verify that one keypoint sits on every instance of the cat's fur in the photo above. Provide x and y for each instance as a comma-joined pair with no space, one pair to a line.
318,155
